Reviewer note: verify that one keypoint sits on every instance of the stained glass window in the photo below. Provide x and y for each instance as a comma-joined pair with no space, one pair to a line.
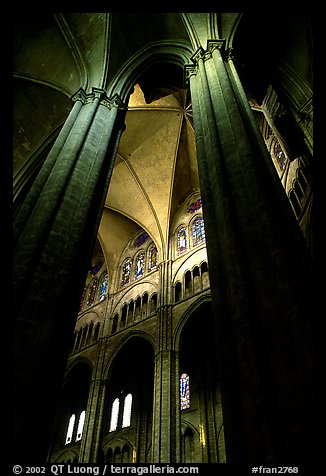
96,268
114,415
194,206
152,257
184,392
139,265
103,286
92,287
198,231
70,429
80,425
126,418
126,272
182,241
141,239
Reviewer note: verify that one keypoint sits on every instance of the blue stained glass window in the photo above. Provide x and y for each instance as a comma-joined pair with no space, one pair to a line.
126,272
141,239
194,206
182,241
184,392
96,268
198,231
139,265
152,257
103,286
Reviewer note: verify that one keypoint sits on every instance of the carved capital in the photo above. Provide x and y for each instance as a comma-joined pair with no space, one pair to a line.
80,95
226,53
202,54
114,102
85,98
96,93
189,70
215,45
198,55
99,94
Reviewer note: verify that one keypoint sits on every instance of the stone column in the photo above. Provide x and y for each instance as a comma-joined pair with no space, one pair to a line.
23,210
54,235
165,380
259,269
90,445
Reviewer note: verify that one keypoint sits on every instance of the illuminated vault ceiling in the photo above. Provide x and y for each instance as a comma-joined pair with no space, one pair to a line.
155,171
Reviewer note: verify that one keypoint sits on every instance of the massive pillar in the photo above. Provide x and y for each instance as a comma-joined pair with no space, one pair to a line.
54,231
165,381
259,273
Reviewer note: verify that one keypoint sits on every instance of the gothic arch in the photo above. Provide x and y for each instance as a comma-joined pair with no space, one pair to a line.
200,395
80,360
119,442
186,316
131,374
67,455
157,52
189,428
72,402
137,334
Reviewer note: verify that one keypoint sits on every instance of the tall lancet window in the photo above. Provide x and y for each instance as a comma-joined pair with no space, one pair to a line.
184,392
70,430
139,265
152,257
114,415
92,287
126,272
103,286
126,418
182,241
80,425
198,231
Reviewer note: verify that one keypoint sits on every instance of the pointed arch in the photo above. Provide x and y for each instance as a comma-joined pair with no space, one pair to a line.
164,51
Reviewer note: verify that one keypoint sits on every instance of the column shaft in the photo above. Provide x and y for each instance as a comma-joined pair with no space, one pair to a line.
259,273
165,380
90,446
50,264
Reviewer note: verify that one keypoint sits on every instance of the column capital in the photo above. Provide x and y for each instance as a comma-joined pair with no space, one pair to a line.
199,54
115,101
215,44
203,54
100,94
79,95
86,98
189,70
